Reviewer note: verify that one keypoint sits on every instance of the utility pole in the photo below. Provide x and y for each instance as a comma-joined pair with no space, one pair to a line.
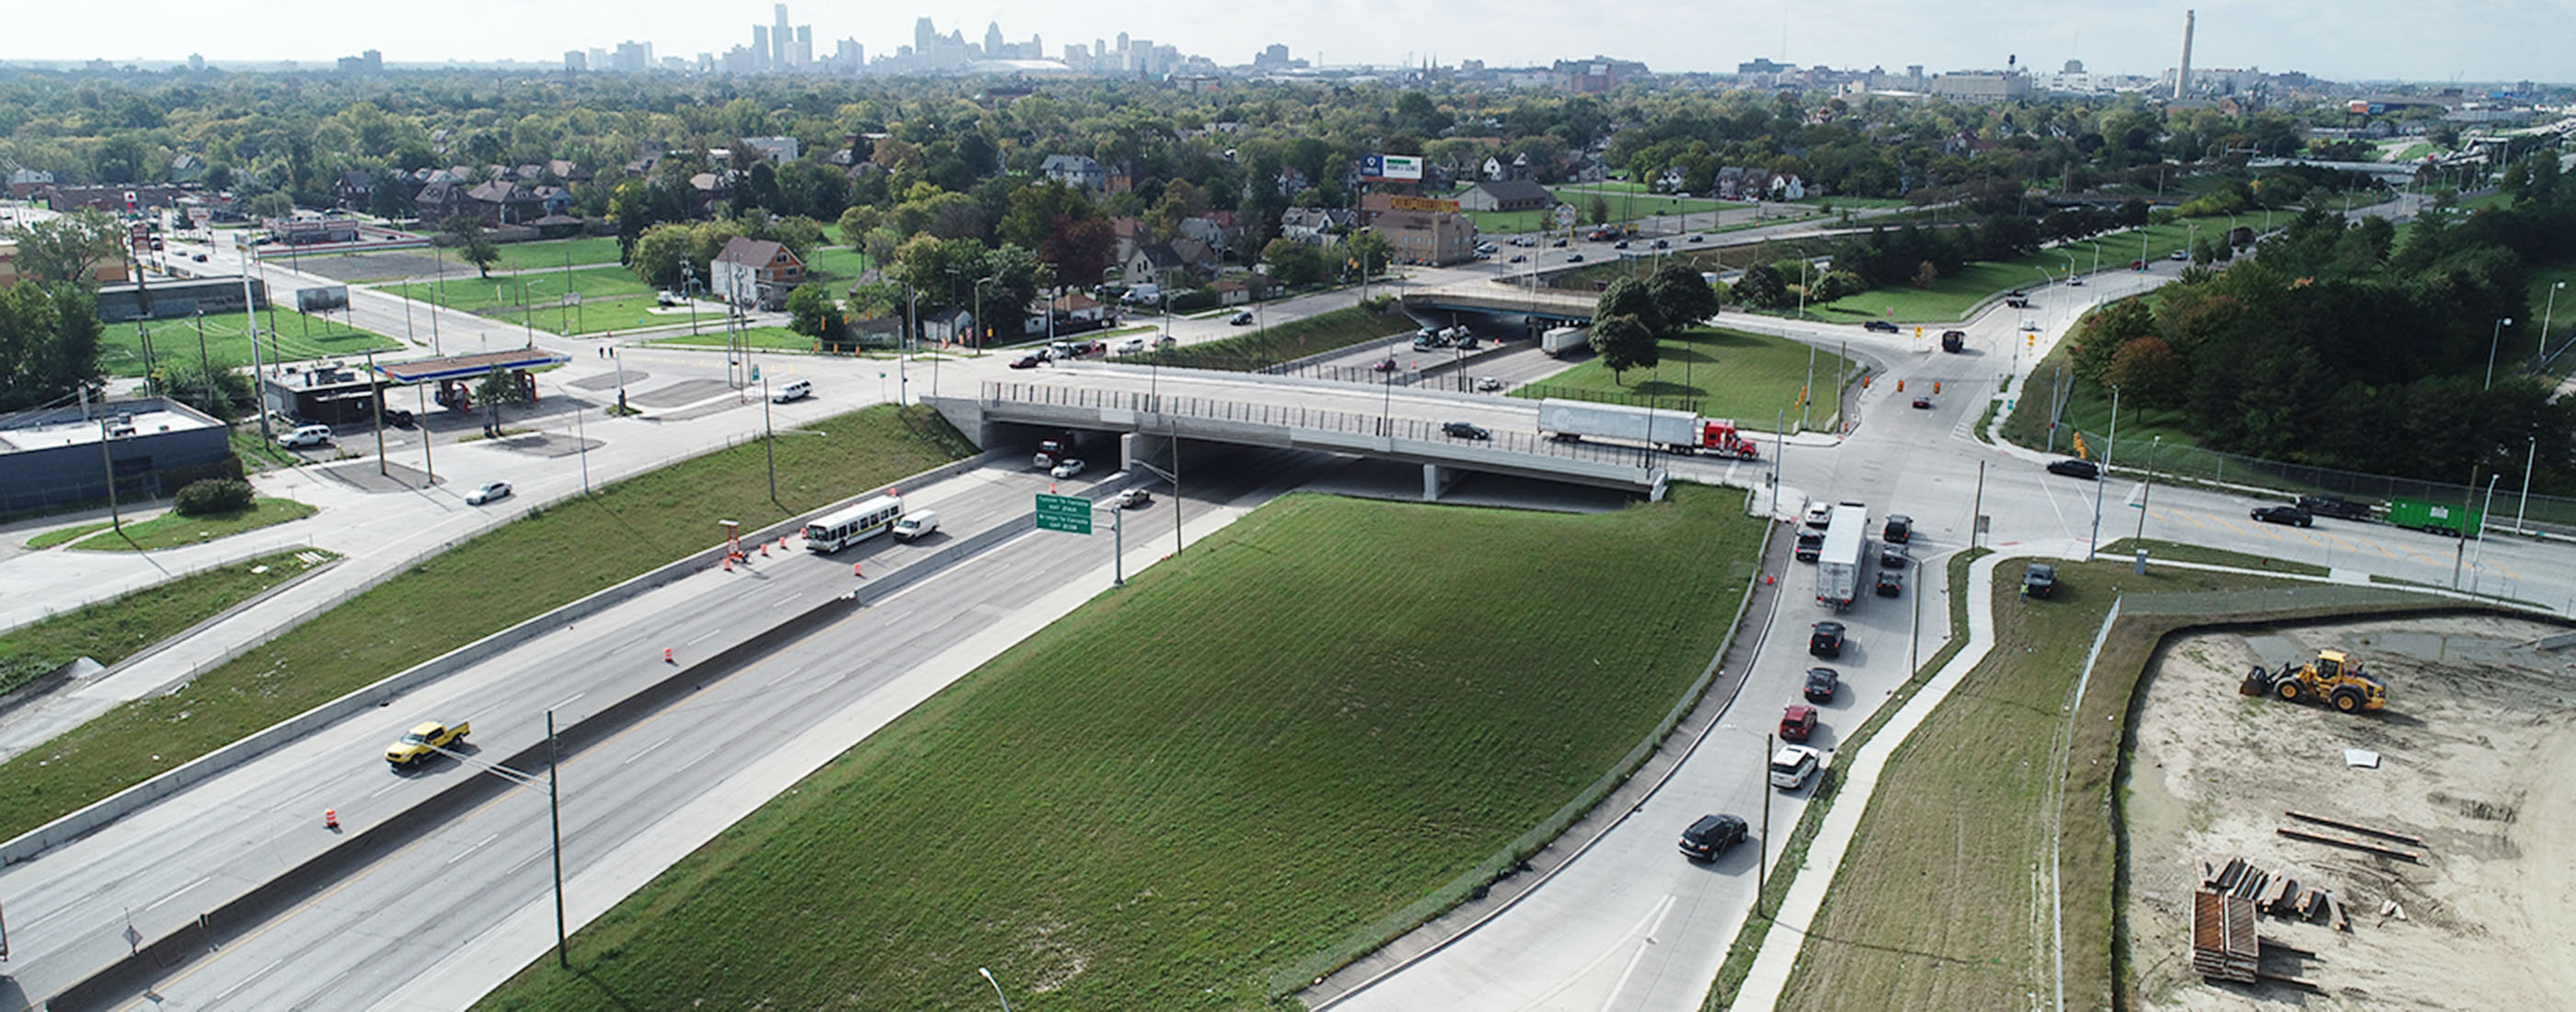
554,814
2110,443
107,460
375,398
1977,506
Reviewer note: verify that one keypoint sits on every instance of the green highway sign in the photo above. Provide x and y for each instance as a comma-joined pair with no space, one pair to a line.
1068,513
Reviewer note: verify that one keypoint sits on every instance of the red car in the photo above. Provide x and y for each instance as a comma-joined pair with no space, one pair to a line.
1386,366
1797,722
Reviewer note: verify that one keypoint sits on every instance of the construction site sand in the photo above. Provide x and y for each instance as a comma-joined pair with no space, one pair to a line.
2477,757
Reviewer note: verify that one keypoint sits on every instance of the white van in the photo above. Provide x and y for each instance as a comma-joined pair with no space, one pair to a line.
309,435
796,391
1131,346
914,525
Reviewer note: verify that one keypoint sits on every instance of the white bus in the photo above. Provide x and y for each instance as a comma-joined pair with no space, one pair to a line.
858,523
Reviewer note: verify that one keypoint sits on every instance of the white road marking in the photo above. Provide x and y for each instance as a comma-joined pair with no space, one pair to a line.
567,700
791,673
1661,910
174,894
246,982
648,750
702,636
469,851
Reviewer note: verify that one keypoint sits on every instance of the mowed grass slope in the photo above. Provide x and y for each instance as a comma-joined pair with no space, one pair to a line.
509,574
1944,900
1322,332
113,630
1751,378
1313,718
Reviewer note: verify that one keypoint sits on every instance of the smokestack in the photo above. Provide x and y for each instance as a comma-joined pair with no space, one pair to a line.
2182,74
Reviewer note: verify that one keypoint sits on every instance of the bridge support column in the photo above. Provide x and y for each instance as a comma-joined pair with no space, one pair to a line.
1436,480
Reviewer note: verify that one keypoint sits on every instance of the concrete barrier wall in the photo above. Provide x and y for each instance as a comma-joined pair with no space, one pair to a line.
77,824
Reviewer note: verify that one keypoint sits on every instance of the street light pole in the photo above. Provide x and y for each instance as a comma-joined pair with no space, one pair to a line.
2150,490
2493,340
2545,312
554,814
2109,444
2529,454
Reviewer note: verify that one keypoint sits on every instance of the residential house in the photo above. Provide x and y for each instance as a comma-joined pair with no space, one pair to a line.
1594,170
528,173
1788,187
440,200
1506,195
500,203
113,199
187,168
1078,171
355,189
1672,180
1292,180
755,272
708,189
948,326
1420,237
1316,225
23,183
1077,306
1122,178
1197,257
1217,229
1495,168
1150,262
1231,292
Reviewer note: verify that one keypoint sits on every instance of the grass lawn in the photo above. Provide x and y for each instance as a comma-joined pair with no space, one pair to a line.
170,530
1233,763
1949,299
1717,373
553,556
288,336
764,338
2158,548
1944,901
1296,339
584,252
611,299
1505,222
836,263
112,630
59,535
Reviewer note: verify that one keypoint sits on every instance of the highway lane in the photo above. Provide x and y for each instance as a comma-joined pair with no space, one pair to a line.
397,920
187,853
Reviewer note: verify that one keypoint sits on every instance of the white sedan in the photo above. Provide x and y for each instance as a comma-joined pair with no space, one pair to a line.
488,493
1067,469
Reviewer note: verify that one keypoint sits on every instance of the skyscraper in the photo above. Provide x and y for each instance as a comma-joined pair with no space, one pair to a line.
760,47
993,40
780,35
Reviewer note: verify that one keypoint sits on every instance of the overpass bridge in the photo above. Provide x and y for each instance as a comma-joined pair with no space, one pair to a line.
1491,296
1293,413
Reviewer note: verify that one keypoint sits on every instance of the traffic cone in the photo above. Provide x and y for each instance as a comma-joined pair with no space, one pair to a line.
764,549
331,819
854,569
728,564
666,656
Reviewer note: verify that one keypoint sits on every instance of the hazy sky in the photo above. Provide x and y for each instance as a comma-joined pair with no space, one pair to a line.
2470,40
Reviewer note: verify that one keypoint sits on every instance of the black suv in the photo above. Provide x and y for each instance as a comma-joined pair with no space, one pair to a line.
1881,326
1810,545
1711,835
1826,640
2331,506
1890,583
1464,430
2038,579
1821,683
1900,529
2074,467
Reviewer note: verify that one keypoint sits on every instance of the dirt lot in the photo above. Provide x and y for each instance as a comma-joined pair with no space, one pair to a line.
2478,755
374,266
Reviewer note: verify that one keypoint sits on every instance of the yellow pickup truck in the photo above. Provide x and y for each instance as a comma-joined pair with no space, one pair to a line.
424,740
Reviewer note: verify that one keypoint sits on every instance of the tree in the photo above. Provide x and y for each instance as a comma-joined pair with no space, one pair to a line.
659,255
1597,210
499,386
856,223
2148,369
471,243
273,204
1681,296
1761,287
1624,342
1925,275
1367,249
70,247
48,343
813,312
1293,263
1632,298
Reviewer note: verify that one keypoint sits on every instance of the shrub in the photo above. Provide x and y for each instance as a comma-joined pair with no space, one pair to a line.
214,496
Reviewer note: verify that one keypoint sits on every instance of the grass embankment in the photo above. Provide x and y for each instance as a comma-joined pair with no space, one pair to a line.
587,251
170,530
611,299
1751,378
1950,298
1945,899
2159,549
1322,332
113,630
514,572
286,336
1235,763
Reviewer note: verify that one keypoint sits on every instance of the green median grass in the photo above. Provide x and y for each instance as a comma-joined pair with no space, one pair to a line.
61,535
762,338
1322,332
1950,299
583,252
1944,900
1233,764
113,630
1751,378
287,336
170,530
547,558
612,298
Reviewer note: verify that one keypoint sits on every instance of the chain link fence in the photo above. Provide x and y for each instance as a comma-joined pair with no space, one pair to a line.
2546,512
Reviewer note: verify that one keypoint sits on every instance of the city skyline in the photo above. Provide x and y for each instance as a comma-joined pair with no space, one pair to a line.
2333,41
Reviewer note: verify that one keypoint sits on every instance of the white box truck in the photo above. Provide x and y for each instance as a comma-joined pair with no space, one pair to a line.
1678,431
1838,565
1557,341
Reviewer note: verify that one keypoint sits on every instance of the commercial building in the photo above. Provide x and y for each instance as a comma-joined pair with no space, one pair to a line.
1506,195
1417,237
153,445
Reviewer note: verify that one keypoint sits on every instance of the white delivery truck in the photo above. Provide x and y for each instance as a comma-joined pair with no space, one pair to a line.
1678,431
1559,340
1838,565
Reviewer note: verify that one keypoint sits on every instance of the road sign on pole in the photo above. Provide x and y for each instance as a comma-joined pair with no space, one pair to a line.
1068,513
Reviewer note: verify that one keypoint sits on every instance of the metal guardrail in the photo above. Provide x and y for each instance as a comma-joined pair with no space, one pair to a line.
1385,426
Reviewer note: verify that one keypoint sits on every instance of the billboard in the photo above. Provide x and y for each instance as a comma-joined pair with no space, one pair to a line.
1378,168
308,300
1433,204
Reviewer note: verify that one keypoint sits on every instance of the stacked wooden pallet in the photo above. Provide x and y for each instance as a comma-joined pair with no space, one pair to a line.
2223,946
2265,892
